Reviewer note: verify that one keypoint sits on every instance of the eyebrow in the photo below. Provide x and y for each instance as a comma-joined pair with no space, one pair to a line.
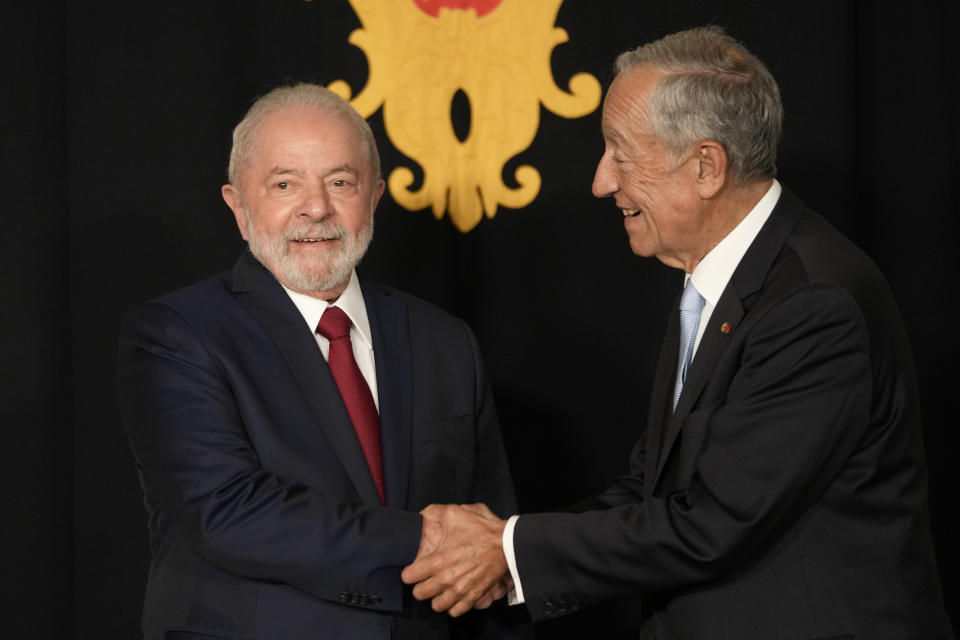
344,167
613,134
279,170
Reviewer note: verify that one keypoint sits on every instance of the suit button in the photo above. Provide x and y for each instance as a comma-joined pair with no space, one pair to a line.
344,597
548,608
376,600
354,598
562,606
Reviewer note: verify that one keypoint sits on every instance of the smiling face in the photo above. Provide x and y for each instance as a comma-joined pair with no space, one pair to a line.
659,194
305,199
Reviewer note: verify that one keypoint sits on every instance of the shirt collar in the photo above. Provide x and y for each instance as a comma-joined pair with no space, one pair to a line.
712,274
350,302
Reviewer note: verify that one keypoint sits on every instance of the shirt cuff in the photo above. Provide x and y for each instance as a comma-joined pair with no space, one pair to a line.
516,595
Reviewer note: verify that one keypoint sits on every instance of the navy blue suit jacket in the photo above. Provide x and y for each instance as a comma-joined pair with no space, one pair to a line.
785,498
263,518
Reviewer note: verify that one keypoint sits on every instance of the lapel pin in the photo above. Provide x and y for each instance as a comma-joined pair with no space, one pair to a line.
725,328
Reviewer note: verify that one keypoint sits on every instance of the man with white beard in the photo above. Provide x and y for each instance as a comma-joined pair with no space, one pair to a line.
289,421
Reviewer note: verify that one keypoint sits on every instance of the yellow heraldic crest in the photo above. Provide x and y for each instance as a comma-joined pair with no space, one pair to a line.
420,53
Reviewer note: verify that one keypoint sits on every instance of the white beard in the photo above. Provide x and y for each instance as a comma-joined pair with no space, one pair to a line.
320,275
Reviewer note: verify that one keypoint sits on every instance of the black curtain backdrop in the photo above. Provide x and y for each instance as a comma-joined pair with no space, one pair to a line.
116,129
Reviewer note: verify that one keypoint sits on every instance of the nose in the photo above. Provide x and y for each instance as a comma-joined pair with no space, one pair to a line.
316,203
605,179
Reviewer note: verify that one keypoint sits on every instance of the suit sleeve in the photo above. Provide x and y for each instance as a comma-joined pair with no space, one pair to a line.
199,467
795,408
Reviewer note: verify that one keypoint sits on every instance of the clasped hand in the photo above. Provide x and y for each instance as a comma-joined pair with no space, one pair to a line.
460,563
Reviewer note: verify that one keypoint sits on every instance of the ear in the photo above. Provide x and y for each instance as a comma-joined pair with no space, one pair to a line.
377,194
712,167
231,195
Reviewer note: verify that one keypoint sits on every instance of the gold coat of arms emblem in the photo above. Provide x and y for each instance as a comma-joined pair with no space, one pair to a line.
420,53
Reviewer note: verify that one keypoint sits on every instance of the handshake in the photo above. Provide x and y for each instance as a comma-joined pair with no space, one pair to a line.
460,564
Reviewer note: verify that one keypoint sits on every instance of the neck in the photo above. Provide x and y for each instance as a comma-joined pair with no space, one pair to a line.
724,212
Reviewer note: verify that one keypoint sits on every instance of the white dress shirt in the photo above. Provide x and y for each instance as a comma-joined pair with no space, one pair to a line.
351,303
710,277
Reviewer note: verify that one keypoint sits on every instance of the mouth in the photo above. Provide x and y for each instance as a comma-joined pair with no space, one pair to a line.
630,213
315,239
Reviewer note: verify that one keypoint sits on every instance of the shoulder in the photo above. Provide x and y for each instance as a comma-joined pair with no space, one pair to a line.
193,305
821,276
827,257
827,254
205,293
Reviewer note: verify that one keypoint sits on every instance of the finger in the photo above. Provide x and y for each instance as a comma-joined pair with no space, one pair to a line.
412,574
484,602
444,601
450,589
460,608
421,569
455,602
472,590
498,591
428,589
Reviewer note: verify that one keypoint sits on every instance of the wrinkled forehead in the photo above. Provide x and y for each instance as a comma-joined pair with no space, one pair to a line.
306,125
308,138
626,107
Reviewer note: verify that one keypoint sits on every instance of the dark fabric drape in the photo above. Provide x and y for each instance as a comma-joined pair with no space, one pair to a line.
36,591
117,118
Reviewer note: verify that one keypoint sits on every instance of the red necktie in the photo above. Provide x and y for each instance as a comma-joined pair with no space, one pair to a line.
335,326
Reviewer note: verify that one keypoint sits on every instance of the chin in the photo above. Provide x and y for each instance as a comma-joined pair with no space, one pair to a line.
640,248
317,281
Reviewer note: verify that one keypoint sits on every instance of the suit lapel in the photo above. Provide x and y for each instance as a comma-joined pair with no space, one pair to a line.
268,302
713,343
391,347
659,411
734,303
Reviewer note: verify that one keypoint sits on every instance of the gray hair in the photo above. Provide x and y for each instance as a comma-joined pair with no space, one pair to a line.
714,89
298,95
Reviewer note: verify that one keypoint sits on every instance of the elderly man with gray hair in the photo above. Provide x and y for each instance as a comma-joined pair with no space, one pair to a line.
777,490
289,419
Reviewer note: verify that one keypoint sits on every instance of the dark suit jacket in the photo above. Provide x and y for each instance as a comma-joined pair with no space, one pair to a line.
263,518
786,496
